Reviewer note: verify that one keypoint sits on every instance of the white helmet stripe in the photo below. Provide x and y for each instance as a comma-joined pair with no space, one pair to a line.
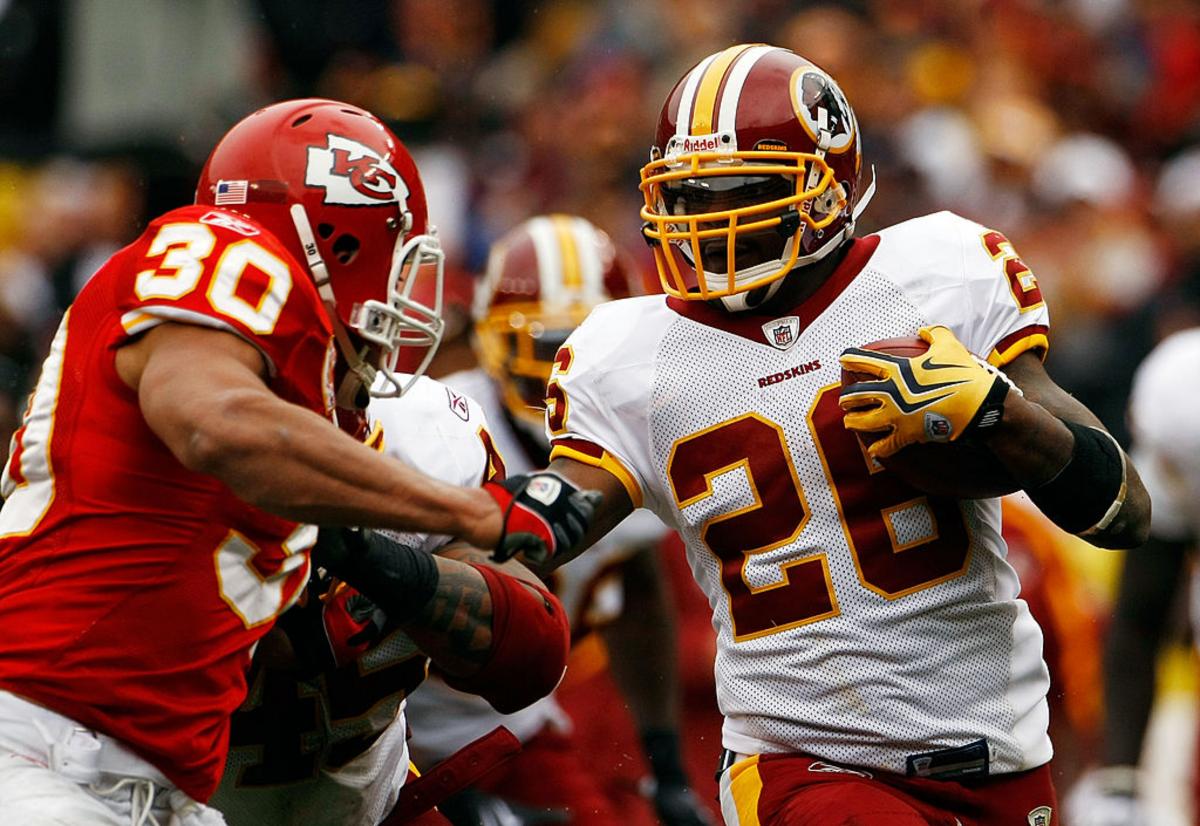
735,80
683,119
549,259
592,291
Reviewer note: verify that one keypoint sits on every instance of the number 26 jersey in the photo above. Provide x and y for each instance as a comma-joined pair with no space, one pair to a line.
857,619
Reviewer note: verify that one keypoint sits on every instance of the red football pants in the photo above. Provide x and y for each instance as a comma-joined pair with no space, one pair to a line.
795,790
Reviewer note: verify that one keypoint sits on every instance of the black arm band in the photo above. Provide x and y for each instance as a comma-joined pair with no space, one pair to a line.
397,578
1088,492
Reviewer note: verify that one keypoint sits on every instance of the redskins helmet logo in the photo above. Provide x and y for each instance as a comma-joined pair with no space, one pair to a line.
353,174
823,109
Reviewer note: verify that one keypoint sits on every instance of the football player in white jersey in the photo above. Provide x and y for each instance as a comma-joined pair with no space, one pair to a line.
1166,445
322,736
874,662
543,278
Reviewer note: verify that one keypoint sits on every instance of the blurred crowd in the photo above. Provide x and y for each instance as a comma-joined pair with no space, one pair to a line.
1073,126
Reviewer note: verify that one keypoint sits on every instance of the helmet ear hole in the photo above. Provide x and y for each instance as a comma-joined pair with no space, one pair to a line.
345,248
324,231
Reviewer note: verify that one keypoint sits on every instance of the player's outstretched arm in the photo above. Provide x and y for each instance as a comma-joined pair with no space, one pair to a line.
203,393
490,633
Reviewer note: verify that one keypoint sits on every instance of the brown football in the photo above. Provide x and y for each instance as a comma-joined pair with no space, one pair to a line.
962,470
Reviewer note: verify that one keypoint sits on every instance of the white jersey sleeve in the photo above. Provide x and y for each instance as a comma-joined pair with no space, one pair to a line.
971,279
600,394
1167,436
439,431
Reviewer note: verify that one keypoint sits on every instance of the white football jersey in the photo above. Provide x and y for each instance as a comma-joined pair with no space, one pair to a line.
1166,434
442,433
857,619
445,720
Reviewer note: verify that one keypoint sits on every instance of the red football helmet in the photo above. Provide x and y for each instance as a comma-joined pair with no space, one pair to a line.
543,278
343,195
754,171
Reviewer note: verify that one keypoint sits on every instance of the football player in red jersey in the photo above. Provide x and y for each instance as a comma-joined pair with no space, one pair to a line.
875,663
162,493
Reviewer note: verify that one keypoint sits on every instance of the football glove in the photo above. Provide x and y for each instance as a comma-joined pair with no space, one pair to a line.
544,515
674,802
333,628
941,395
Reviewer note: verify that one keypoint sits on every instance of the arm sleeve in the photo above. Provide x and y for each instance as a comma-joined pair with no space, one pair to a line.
1007,313
598,414
977,285
197,265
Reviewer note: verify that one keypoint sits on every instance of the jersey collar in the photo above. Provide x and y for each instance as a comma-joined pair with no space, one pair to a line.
749,325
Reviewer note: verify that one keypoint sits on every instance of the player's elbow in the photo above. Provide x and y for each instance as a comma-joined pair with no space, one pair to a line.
1125,533
531,638
217,437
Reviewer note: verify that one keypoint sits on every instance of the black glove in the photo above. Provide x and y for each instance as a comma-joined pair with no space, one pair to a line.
675,803
544,515
679,806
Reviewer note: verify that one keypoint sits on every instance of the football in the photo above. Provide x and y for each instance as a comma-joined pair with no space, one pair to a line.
962,470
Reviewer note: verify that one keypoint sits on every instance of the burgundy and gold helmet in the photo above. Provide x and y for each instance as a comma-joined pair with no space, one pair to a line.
543,278
757,157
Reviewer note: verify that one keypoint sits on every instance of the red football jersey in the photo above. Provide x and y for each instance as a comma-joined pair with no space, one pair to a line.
132,589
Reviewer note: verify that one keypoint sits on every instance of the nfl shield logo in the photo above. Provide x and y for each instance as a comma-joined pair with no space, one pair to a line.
1040,816
782,332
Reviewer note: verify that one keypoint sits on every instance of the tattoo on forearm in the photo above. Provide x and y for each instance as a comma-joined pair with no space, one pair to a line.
461,611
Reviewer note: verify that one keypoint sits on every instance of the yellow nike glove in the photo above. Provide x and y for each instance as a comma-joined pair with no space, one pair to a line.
940,395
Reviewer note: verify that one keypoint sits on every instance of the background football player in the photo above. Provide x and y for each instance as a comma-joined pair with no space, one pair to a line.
178,444
874,661
543,278
322,736
1167,447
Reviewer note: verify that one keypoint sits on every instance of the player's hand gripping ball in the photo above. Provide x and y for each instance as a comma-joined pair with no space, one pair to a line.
916,403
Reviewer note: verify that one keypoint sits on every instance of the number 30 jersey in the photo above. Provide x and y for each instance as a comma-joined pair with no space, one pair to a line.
133,588
857,619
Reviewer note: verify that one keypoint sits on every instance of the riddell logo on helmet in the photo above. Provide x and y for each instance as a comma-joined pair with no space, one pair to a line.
353,174
715,142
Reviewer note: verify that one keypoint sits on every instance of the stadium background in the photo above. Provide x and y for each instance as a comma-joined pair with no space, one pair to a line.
1071,125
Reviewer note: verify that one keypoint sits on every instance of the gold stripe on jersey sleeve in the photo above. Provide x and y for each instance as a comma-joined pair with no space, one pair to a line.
745,786
572,277
605,461
704,110
132,322
375,439
1035,340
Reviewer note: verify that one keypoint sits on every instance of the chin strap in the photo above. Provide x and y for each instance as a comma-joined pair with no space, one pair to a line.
863,199
361,374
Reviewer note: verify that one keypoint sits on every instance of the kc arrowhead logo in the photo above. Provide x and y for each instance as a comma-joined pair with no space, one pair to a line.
353,174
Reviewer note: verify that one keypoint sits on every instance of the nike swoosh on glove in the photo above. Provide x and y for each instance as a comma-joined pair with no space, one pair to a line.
940,395
544,515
